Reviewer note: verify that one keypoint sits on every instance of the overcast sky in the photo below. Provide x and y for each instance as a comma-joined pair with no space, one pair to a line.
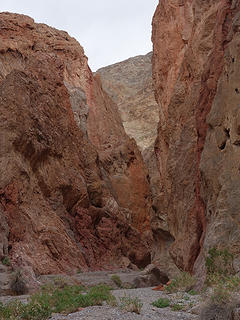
109,30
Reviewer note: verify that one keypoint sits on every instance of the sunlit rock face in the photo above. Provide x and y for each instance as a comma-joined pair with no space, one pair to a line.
196,81
74,192
129,83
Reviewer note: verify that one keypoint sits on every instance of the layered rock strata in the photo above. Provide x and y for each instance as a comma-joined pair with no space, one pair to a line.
73,187
195,72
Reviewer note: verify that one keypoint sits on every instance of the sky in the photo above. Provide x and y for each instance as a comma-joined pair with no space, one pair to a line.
109,30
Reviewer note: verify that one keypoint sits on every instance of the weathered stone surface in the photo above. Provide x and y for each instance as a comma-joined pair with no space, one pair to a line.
216,312
5,279
129,83
151,276
62,170
121,161
195,67
219,165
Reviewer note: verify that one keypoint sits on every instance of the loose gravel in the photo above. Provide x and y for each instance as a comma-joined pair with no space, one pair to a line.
148,312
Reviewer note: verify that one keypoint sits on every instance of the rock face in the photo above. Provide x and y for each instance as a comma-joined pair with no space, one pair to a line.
195,72
129,84
73,187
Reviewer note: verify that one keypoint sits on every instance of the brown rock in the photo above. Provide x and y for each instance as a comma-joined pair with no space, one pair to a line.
61,198
194,62
129,83
151,276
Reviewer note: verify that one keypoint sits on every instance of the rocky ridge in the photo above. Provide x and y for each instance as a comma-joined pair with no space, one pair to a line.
129,84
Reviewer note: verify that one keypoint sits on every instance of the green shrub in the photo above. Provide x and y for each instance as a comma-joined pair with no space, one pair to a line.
116,279
192,292
219,262
220,277
131,304
43,304
177,307
39,307
161,303
184,282
6,261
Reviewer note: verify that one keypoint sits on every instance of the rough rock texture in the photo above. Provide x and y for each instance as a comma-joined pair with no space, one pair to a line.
129,83
195,72
73,189
219,165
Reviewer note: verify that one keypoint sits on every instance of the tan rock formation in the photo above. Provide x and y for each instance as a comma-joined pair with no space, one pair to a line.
195,66
129,83
73,189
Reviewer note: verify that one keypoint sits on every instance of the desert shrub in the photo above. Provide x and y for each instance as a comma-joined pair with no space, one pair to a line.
12,311
38,308
192,292
177,307
131,304
220,277
219,262
161,303
6,261
116,279
220,295
184,282
100,293
18,285
231,282
42,304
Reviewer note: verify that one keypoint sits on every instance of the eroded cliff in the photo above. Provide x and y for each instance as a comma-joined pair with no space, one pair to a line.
73,187
129,83
195,67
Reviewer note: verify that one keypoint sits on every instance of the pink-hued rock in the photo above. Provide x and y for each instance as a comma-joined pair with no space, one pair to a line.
194,43
73,187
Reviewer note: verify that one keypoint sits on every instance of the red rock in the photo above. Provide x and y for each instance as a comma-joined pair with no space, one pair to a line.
159,288
192,41
63,166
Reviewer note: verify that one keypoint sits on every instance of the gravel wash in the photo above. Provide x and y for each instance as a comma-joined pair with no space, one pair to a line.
148,312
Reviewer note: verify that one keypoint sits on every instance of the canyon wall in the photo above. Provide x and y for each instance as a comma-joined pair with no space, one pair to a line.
130,85
74,192
196,80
